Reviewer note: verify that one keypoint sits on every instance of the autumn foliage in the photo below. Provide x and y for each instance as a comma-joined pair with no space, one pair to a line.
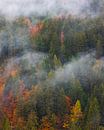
34,95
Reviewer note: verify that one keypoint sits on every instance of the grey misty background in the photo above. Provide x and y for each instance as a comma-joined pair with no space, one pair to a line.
15,43
14,8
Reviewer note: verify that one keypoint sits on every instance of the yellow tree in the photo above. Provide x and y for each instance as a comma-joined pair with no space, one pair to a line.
72,120
76,116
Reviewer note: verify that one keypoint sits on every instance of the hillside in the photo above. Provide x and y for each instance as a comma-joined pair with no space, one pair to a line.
52,72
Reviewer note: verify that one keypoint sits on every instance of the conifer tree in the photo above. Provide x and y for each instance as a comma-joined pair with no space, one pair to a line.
99,49
56,62
93,115
32,123
6,124
72,120
76,116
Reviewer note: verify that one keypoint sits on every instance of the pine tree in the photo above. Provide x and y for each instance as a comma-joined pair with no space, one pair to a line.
99,91
32,123
72,120
6,124
76,92
99,49
54,45
93,115
60,106
56,62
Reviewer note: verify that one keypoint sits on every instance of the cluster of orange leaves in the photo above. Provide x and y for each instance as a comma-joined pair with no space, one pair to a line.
14,73
9,102
9,108
33,29
2,86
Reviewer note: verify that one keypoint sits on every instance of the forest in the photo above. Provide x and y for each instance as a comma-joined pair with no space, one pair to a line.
52,72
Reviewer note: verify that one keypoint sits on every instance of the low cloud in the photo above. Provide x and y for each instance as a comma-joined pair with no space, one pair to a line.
15,8
86,68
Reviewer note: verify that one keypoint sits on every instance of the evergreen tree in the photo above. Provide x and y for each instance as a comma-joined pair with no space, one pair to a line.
99,93
32,123
99,50
54,45
93,115
56,62
6,124
60,106
76,92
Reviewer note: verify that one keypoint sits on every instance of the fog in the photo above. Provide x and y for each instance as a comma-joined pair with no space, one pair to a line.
86,68
15,8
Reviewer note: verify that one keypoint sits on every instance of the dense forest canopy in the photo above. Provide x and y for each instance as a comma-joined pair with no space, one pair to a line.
52,71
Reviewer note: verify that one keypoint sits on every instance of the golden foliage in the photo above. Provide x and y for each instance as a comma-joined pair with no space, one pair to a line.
76,113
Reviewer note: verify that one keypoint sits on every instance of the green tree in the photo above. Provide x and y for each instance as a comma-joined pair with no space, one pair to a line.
56,62
54,45
53,120
99,50
93,115
32,123
99,93
6,124
59,106
76,92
